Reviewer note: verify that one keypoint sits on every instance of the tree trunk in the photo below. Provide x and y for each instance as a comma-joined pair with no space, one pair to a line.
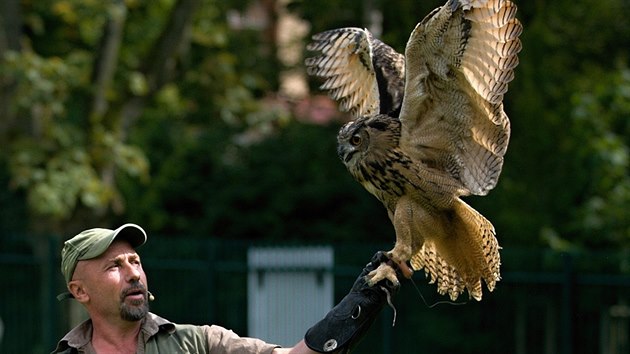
10,35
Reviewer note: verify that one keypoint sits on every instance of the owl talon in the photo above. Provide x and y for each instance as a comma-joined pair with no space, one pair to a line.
384,271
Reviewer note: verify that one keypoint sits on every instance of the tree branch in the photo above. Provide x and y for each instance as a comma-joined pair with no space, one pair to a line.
107,58
162,59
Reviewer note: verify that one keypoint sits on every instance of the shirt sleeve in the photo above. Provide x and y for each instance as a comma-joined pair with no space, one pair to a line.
225,341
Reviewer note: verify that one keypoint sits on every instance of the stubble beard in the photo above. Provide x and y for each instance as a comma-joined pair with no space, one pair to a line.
134,311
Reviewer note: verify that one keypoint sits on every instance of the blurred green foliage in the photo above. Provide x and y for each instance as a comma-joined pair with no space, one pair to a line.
166,149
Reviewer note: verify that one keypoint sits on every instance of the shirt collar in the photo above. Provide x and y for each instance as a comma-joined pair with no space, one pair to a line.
154,323
81,335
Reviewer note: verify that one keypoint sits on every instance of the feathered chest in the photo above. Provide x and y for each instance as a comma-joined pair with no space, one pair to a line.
387,175
390,174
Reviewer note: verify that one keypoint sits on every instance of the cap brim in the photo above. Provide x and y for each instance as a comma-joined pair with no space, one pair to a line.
132,233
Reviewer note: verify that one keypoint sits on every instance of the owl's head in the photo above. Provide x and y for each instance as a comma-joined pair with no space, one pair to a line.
367,138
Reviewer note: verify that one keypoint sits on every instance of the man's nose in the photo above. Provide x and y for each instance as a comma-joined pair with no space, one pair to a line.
133,272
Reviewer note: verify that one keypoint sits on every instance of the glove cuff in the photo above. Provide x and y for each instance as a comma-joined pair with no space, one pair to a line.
346,324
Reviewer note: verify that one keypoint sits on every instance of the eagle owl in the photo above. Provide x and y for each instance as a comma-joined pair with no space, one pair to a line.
430,128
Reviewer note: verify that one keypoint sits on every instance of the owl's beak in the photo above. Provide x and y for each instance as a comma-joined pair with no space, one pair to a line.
341,152
345,152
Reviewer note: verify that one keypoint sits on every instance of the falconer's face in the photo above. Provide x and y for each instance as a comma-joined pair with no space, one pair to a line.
112,285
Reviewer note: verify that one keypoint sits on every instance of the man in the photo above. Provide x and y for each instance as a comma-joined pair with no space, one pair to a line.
104,273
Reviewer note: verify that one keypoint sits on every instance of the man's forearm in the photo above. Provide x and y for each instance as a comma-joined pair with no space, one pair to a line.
299,348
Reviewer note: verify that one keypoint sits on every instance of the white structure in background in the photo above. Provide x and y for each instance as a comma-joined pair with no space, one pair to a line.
289,290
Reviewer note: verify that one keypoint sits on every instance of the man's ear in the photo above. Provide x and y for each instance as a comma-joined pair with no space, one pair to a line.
77,290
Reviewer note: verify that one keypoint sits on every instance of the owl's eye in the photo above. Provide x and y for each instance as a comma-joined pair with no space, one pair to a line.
355,140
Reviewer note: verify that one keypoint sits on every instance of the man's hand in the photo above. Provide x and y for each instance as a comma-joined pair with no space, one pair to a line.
346,324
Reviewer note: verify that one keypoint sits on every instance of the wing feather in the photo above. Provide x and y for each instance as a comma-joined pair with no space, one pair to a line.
460,60
363,74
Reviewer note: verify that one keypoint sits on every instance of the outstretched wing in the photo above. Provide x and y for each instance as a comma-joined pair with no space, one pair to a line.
460,59
364,74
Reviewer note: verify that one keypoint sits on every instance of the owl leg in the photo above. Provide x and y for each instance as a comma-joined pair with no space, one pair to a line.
404,223
407,233
402,265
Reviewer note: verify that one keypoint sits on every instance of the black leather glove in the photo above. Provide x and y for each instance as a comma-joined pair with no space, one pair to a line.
345,325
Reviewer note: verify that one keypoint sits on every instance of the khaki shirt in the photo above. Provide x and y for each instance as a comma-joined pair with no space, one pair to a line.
158,335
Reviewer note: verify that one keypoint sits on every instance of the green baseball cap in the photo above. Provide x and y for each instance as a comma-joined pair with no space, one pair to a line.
91,244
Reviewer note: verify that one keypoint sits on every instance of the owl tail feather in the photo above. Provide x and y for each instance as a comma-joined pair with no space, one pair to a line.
467,252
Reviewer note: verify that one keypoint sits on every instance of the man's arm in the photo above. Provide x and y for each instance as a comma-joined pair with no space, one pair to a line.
299,348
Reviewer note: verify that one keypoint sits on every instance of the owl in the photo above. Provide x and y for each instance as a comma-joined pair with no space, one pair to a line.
429,128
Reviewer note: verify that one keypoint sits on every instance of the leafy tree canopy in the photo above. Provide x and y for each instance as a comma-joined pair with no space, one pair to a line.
167,114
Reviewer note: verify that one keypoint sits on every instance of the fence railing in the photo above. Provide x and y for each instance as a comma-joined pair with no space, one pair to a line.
547,302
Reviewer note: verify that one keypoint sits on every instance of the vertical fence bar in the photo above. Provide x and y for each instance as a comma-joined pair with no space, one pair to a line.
50,323
44,262
211,253
567,304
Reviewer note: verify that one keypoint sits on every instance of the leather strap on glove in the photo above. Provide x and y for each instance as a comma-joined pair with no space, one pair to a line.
346,324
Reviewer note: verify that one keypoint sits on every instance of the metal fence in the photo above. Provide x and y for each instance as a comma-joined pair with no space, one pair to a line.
546,303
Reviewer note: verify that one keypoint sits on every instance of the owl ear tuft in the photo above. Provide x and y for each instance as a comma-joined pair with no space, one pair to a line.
382,126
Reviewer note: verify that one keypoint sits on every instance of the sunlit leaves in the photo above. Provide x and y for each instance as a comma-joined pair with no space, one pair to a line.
56,181
138,84
170,100
86,17
42,84
54,154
